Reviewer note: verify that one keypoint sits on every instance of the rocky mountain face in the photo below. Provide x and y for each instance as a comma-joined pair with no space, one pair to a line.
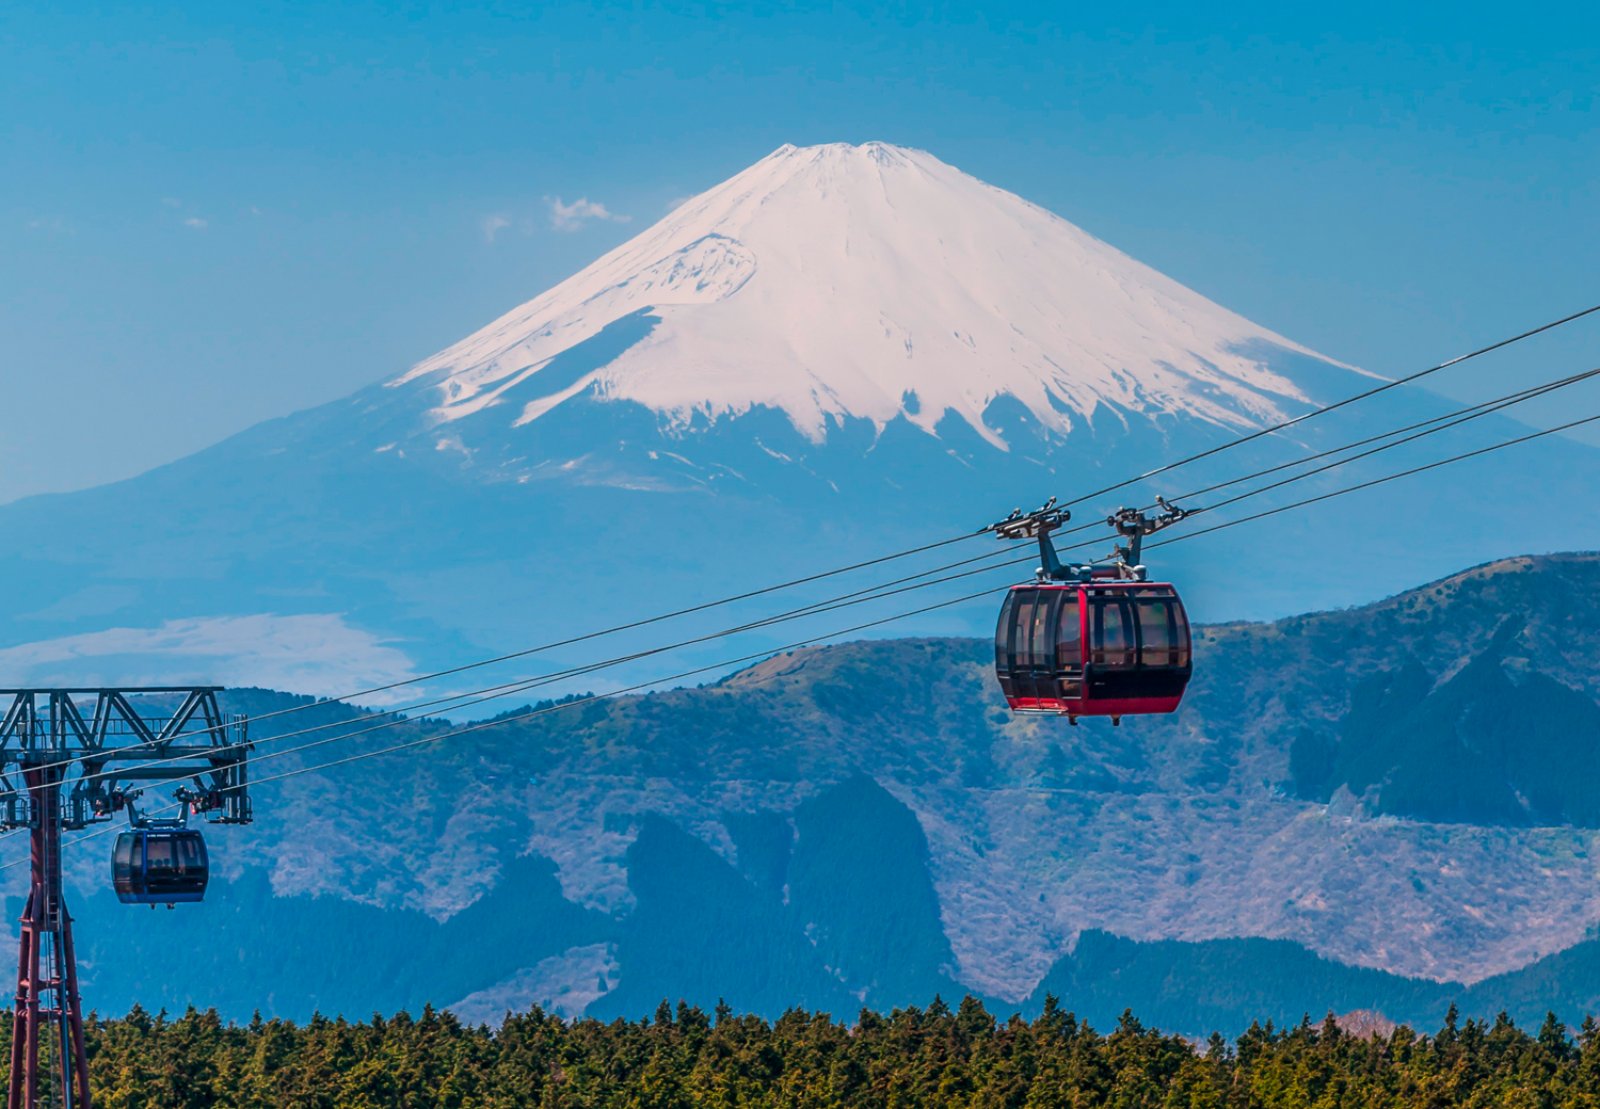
866,824
840,352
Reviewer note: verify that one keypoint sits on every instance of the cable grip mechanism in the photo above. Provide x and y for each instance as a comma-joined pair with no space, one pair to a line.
1133,524
1038,524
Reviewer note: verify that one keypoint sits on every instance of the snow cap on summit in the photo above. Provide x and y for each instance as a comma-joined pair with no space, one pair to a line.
876,282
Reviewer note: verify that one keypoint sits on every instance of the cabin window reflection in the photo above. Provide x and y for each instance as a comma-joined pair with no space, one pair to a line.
122,859
1002,633
1021,622
189,853
1069,634
1039,633
159,854
1114,643
1157,636
1180,621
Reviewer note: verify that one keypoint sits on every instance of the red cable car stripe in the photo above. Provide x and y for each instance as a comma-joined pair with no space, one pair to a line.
1122,706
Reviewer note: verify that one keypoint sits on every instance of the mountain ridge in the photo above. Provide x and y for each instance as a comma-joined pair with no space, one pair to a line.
864,823
1185,828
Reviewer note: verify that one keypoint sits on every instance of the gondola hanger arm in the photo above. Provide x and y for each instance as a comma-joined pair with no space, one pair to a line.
1133,524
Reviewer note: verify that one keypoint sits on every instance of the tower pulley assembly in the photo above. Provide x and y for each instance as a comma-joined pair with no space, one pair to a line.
70,758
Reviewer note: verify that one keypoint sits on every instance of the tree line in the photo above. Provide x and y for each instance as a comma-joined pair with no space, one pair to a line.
935,1056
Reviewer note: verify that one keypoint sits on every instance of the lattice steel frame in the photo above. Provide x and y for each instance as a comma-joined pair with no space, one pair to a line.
61,770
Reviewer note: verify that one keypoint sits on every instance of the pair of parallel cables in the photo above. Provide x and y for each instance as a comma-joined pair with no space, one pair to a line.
923,579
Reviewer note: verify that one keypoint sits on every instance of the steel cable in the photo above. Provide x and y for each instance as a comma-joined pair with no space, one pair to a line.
750,594
542,710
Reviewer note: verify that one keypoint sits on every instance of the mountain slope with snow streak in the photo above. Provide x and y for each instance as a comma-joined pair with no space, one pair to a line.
872,282
840,352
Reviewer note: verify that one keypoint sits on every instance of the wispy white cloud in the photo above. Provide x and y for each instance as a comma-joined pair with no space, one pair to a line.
679,201
580,213
52,225
492,225
185,214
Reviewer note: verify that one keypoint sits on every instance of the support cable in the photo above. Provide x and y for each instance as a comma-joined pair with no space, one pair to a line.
749,594
489,693
544,709
1323,410
1430,426
944,604
1568,426
472,698
562,705
616,628
1444,422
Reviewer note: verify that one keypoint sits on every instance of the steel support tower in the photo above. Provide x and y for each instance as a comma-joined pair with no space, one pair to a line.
62,770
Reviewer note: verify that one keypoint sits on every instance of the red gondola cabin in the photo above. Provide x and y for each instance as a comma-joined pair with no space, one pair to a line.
1096,648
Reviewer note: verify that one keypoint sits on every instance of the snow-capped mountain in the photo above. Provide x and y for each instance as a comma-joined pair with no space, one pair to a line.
840,352
869,282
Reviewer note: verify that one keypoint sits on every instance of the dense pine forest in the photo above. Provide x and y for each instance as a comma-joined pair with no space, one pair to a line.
936,1056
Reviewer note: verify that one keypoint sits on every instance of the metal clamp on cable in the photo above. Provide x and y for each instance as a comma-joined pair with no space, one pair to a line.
1133,524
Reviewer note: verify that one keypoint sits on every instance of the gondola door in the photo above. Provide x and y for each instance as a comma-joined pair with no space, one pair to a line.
1036,673
1018,652
1034,647
1068,638
1111,674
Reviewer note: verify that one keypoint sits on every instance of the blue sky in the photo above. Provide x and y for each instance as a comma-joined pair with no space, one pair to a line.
210,216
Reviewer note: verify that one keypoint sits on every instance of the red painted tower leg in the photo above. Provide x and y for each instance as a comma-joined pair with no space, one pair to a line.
24,1090
46,964
74,1024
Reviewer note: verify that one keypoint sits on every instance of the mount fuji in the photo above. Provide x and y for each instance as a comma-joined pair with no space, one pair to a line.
834,284
841,351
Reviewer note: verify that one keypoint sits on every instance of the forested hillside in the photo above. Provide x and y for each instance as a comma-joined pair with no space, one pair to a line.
866,824
932,1056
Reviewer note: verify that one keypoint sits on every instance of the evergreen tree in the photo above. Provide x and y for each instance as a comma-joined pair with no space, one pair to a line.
961,1057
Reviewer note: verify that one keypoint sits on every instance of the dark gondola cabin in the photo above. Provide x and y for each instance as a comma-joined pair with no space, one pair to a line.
1097,648
160,866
